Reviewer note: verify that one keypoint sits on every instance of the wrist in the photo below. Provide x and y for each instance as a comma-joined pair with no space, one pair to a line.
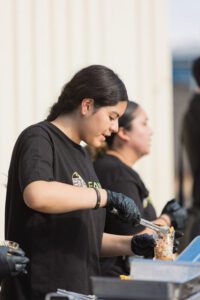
98,198
104,197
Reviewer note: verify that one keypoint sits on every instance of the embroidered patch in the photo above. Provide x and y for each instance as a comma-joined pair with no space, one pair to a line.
77,180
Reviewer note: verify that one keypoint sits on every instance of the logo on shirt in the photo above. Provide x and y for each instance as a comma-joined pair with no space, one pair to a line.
147,201
77,180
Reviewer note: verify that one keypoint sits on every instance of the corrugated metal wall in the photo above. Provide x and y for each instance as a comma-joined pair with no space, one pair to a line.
44,42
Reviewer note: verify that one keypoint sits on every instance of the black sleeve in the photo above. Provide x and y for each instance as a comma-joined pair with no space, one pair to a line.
4,269
35,158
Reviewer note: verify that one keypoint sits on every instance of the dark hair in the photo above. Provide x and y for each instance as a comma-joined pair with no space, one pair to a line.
96,82
124,120
196,70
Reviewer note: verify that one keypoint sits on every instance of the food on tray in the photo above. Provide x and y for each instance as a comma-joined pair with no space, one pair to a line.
164,245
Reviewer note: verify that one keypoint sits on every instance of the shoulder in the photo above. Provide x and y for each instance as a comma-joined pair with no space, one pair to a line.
38,129
109,167
34,134
108,163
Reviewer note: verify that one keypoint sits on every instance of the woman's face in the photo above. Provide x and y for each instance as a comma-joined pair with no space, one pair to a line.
140,133
97,124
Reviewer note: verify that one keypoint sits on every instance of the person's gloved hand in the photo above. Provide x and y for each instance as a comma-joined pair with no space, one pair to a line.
177,214
124,207
12,261
177,236
143,245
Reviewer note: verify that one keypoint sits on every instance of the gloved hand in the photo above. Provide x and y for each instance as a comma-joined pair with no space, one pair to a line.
177,214
124,207
12,261
177,236
143,245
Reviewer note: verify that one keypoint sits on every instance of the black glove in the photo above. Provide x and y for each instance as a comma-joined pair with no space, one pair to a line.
143,245
177,236
12,261
177,214
124,207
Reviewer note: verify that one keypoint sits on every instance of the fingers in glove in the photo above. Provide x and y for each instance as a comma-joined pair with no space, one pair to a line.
18,252
20,268
143,245
178,234
16,260
124,207
20,259
176,246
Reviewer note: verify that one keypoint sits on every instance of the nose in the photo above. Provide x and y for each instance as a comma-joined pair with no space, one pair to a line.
114,126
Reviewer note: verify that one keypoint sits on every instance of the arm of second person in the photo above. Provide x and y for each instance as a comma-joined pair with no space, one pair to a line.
116,245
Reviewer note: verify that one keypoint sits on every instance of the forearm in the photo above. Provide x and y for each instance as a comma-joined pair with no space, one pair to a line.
163,220
56,197
115,245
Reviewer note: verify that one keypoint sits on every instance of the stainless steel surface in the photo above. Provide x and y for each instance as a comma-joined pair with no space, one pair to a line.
116,289
163,271
163,229
155,279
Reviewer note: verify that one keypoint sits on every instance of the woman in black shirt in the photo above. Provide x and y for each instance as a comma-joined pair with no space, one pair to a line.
54,203
115,172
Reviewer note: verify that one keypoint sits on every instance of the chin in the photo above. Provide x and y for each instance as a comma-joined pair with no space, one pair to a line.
94,143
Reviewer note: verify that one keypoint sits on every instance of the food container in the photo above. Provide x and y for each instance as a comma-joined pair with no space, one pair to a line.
164,245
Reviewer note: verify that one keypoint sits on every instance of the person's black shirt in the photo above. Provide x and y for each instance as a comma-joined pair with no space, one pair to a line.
117,176
63,248
4,268
191,142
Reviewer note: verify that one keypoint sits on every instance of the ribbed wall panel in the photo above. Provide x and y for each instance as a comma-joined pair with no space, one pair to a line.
44,42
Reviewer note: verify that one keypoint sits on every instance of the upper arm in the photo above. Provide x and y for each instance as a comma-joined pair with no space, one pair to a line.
35,158
33,194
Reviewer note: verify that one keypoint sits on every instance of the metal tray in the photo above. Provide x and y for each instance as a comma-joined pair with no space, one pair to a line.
163,271
112,288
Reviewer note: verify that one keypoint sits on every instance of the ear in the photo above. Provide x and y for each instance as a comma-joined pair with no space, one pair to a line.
86,105
122,134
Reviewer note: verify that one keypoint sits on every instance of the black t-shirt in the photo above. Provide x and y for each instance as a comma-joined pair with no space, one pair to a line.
63,248
4,268
117,176
191,132
191,141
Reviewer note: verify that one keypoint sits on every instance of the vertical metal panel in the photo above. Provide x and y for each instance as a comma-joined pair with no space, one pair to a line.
43,42
24,63
7,95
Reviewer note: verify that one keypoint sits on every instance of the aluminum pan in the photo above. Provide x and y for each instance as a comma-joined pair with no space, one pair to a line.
112,288
163,271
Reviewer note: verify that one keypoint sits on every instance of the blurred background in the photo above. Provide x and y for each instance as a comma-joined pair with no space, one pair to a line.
149,43
185,47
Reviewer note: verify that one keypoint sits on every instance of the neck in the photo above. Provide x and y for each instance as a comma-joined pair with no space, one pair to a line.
68,125
128,157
